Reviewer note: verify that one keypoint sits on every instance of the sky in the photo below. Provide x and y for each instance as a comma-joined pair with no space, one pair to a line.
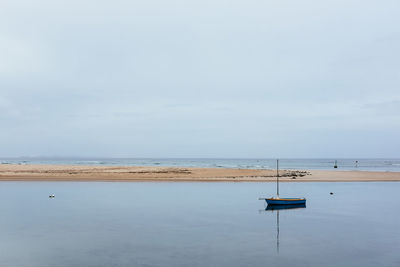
200,78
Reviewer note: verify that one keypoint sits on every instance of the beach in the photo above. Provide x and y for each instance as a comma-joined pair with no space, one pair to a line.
38,172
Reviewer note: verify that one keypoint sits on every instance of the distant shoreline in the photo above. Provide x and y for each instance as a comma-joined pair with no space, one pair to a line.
374,165
34,172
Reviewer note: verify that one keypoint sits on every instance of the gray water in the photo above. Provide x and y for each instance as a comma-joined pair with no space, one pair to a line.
197,224
299,164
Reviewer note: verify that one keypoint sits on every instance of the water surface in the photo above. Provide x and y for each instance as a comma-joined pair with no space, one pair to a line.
299,164
197,224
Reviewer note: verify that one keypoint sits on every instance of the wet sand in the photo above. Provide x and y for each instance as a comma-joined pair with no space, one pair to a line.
11,172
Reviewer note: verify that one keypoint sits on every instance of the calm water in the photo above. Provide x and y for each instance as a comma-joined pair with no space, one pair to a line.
197,224
305,164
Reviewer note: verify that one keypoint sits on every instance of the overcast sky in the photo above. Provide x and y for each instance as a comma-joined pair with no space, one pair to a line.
200,78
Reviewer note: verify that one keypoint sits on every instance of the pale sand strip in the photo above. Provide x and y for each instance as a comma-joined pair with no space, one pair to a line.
10,172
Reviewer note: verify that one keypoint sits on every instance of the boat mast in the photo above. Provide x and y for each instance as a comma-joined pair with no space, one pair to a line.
277,177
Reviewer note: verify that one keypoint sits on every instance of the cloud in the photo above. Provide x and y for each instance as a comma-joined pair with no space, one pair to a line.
197,78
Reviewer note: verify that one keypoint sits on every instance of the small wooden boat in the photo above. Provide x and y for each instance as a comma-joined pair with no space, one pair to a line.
282,201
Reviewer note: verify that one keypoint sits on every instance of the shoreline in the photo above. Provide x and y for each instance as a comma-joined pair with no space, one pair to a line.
80,173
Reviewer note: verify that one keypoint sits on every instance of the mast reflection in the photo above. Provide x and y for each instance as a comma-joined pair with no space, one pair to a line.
278,208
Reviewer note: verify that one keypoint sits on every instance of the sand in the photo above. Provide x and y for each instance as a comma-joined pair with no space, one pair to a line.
11,172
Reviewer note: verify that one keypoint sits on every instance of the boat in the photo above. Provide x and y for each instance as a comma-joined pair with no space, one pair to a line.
282,201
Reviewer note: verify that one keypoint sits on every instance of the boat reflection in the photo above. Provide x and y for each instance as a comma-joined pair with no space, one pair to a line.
285,207
278,208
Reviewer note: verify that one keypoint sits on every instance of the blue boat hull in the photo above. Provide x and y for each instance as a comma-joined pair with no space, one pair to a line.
285,201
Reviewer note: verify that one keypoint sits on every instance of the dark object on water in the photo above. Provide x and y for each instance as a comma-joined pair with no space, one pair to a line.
335,166
52,196
282,201
331,193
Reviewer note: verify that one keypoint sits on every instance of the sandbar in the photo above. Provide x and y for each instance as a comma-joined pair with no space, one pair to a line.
37,172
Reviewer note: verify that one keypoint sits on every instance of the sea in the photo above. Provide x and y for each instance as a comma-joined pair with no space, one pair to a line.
198,224
391,165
